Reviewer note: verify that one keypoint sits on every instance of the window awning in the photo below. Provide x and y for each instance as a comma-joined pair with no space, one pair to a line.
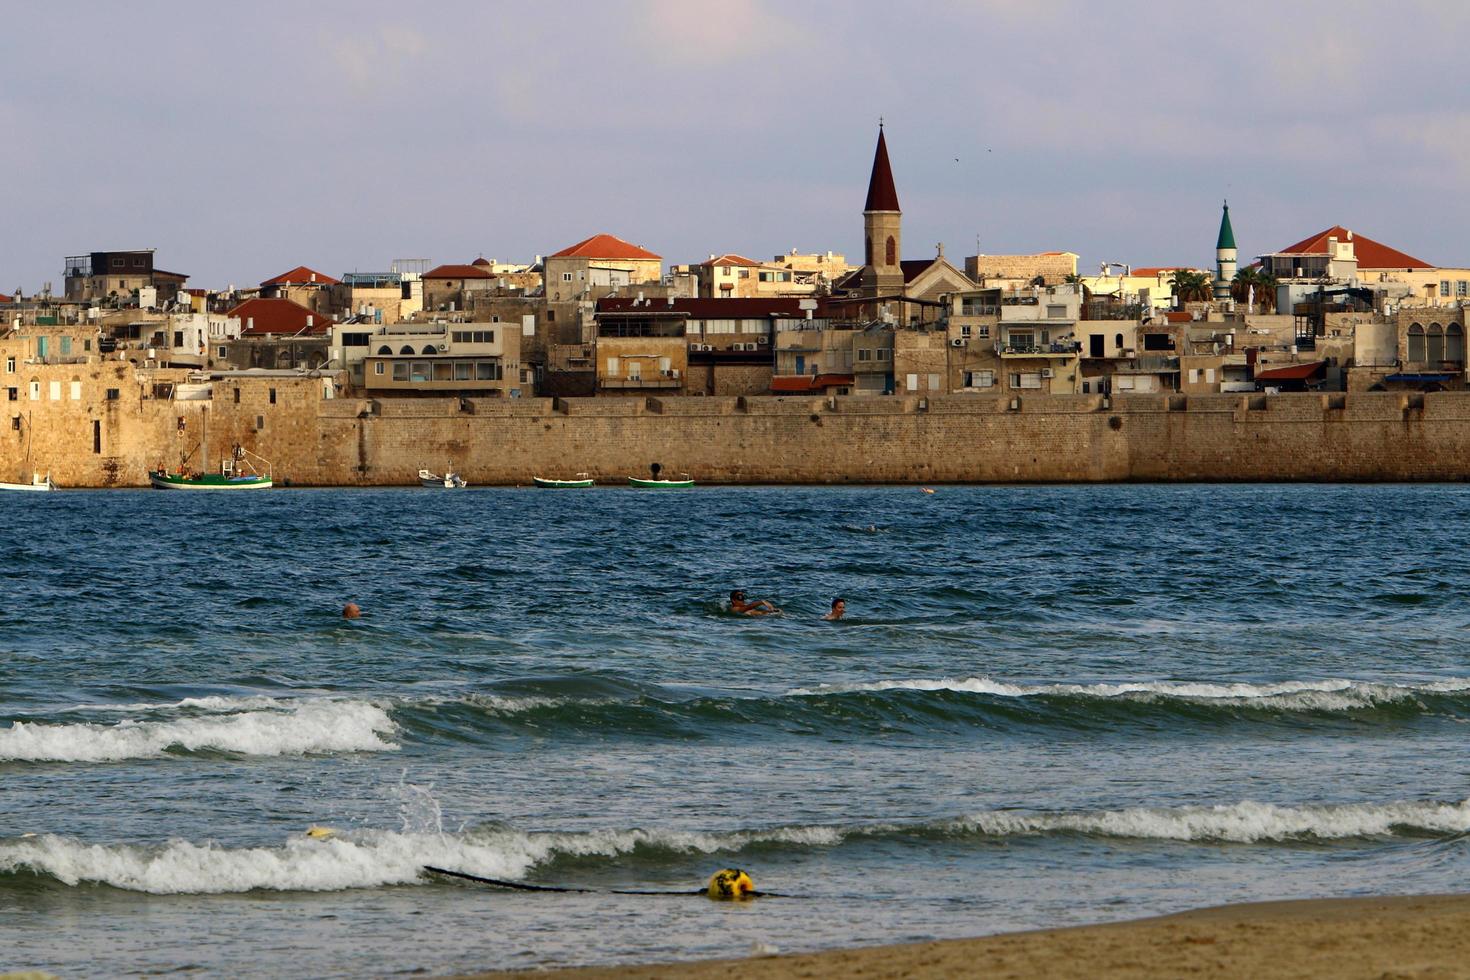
804,383
1416,379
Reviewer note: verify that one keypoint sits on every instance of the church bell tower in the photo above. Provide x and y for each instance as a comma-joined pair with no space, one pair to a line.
882,229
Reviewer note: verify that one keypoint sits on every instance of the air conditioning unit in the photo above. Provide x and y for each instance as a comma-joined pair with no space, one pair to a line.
762,341
959,342
443,348
1046,372
706,346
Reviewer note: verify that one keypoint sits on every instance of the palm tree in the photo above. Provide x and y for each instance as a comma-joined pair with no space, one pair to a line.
1253,277
1192,287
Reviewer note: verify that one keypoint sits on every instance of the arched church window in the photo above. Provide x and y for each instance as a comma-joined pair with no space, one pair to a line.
868,251
890,252
1435,345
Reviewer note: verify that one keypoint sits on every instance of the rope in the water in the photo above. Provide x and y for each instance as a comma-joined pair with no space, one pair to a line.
522,886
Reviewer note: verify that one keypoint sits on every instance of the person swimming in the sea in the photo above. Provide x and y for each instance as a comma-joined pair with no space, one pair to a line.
839,607
742,606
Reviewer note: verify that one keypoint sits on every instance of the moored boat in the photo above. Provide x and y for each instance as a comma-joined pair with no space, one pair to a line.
633,481
582,481
236,472
449,481
38,482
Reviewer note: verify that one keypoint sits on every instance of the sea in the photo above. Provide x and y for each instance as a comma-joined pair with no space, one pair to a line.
1047,706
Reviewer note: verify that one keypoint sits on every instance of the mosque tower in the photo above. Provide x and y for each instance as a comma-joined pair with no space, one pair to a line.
882,229
1224,256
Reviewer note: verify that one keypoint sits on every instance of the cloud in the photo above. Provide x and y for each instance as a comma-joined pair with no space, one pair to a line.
683,34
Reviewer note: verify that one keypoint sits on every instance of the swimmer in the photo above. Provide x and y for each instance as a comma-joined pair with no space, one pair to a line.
351,611
839,607
744,607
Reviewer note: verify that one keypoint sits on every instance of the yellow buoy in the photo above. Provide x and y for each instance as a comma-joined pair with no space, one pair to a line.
320,833
730,884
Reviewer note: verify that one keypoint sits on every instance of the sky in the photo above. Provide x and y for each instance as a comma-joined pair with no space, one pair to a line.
243,140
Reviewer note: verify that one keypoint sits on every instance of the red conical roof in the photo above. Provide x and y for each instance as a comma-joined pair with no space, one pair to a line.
881,195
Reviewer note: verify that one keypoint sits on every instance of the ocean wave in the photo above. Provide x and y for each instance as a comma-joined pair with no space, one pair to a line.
372,858
278,728
1334,694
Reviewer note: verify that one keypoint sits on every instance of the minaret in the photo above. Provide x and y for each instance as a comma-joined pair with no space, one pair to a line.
882,229
1224,256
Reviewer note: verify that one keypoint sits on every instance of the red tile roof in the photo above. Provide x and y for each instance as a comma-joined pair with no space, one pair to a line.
278,316
798,384
730,258
605,247
882,196
301,276
914,268
1154,271
456,272
1371,254
6,299
1178,316
1294,372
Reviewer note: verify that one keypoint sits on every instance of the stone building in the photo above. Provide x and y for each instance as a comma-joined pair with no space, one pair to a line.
119,277
597,266
304,286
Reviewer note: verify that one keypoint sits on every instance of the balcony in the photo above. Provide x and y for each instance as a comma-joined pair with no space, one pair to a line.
1065,350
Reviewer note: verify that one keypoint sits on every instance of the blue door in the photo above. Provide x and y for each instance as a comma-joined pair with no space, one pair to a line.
800,362
41,346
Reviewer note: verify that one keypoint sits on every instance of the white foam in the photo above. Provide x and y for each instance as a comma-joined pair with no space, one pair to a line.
1244,822
292,729
1333,694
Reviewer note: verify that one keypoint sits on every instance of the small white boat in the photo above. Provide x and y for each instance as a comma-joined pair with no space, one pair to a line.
449,481
38,482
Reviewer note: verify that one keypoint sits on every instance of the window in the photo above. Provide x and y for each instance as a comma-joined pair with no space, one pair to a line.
885,354
13,394
550,316
1056,312
400,371
744,273
864,354
1444,287
1434,347
137,262
10,365
273,396
965,332
933,382
979,379
1028,379
443,371
429,350
223,352
259,422
1462,287
1125,383
86,344
178,338
464,370
484,371
983,331
237,394
1194,375
566,277
1118,341
890,252
419,371
96,435
406,349
113,394
35,390
377,367
384,350
612,367
912,382
55,390
1209,376
356,339
76,389
1415,343
65,346
1454,343
118,262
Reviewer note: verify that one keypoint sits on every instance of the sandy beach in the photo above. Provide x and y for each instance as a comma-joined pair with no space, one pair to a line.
1417,936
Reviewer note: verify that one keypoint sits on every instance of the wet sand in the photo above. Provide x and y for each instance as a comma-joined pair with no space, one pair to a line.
1418,936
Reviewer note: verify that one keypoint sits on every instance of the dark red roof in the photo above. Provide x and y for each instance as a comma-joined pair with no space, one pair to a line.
881,194
301,276
481,261
798,384
1178,316
743,308
913,268
6,299
1371,254
730,258
605,247
279,316
456,272
1294,372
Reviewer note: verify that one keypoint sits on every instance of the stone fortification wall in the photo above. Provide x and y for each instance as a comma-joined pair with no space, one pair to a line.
982,438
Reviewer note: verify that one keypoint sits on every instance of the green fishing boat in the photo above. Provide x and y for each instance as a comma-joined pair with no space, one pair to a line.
237,472
633,481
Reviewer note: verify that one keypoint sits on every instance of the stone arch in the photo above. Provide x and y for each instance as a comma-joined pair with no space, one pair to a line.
407,349
1415,353
429,349
385,350
1434,343
1454,343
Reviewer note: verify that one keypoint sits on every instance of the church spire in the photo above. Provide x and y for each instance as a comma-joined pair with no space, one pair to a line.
1227,234
881,194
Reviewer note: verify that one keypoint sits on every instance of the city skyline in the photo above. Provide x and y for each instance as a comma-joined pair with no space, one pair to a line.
344,137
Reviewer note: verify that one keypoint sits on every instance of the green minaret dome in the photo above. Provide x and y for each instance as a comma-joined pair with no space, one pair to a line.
1227,234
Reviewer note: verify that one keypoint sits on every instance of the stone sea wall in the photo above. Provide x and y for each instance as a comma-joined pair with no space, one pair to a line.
98,439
